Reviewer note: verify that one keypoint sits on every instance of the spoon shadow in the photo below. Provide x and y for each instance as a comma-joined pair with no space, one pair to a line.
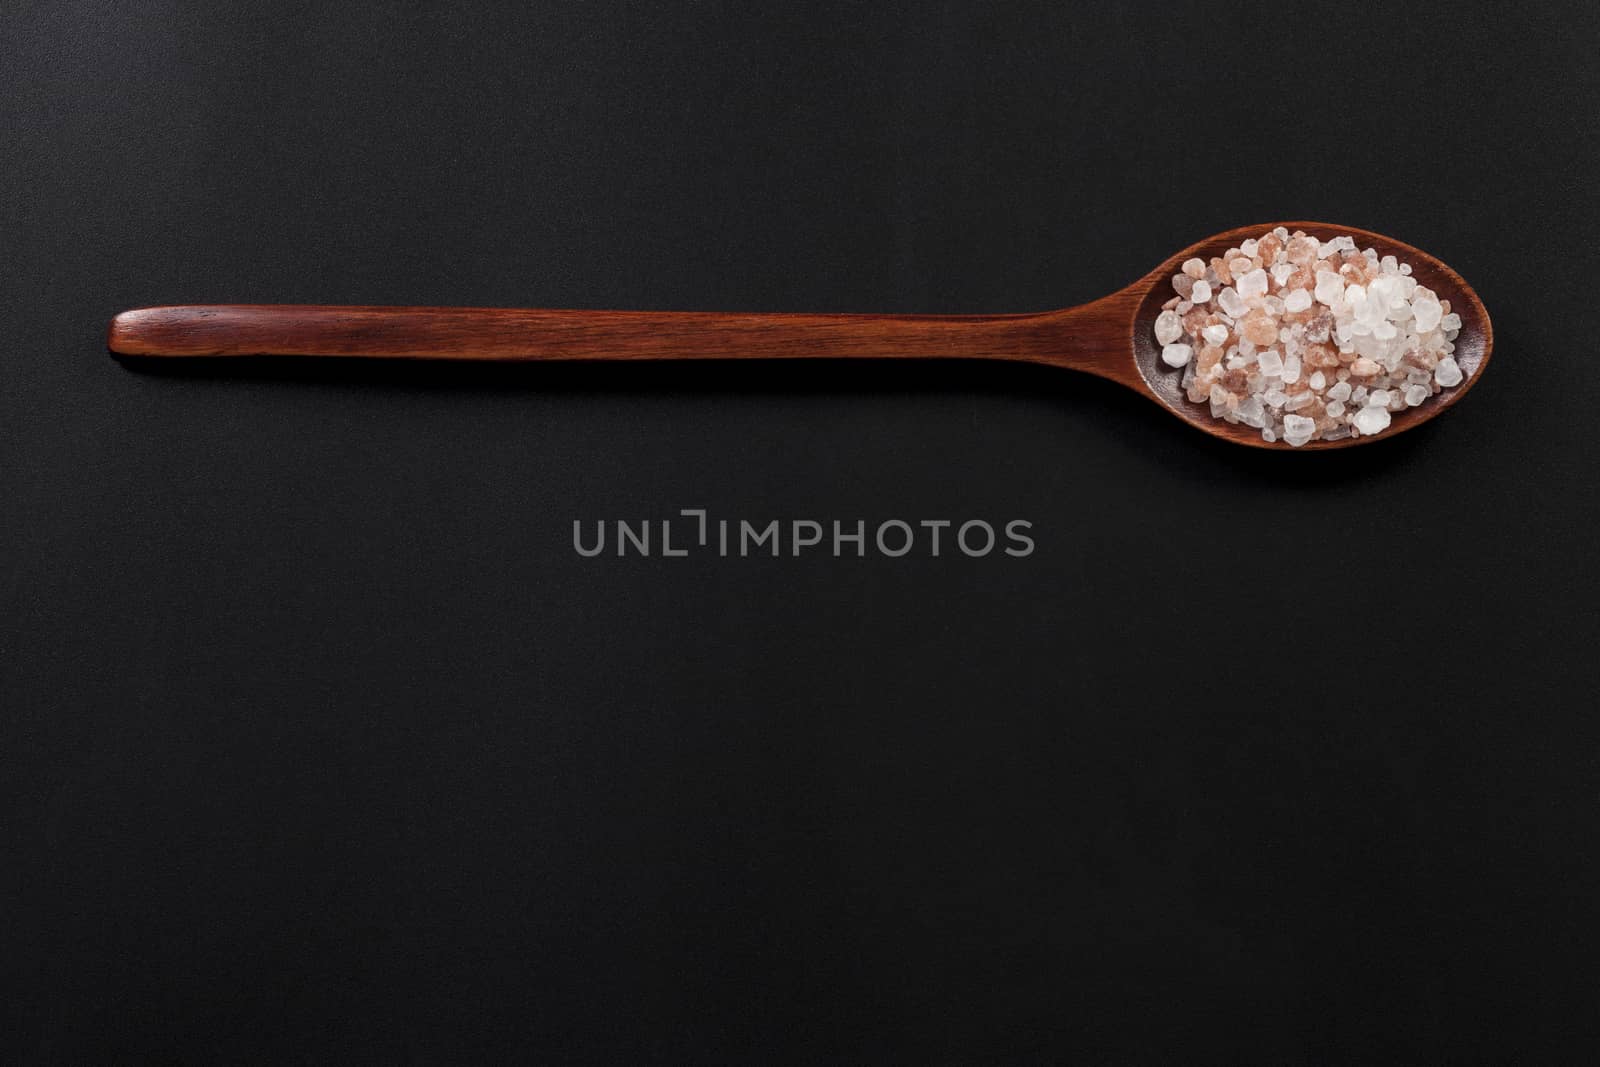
1133,421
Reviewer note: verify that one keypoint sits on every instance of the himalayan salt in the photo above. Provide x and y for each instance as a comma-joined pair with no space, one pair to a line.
1370,420
1352,333
1255,283
1259,328
1297,429
1169,327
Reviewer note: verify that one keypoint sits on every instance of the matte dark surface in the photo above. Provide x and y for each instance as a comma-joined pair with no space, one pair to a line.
320,744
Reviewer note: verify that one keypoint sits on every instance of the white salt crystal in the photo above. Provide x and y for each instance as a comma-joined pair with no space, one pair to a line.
1450,322
1298,401
1416,394
1335,408
1250,412
1385,292
1232,303
1371,420
1291,369
1201,292
1281,272
1390,264
1358,395
1169,327
1249,247
1326,249
1297,429
1425,306
1317,381
1253,283
1378,398
1215,334
1330,288
1176,355
1448,372
1194,268
1275,397
1271,362
1355,297
1268,436
1297,300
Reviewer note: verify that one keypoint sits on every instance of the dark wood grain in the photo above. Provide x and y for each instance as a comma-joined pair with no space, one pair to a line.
1111,337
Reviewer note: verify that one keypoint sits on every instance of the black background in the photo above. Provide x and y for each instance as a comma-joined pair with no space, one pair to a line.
321,744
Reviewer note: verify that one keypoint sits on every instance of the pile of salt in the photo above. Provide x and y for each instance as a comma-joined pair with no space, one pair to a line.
1305,339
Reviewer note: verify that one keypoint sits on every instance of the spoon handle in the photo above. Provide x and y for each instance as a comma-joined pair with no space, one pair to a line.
507,334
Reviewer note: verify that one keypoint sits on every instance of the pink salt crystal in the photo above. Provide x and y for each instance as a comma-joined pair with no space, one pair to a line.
1364,368
1220,266
1421,358
1320,356
1194,268
1183,285
1269,247
1240,265
1259,328
1302,250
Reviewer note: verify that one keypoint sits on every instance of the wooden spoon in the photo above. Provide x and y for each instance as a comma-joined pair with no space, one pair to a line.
1112,337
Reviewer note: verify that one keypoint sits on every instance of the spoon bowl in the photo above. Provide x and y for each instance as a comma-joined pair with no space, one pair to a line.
1113,337
1473,344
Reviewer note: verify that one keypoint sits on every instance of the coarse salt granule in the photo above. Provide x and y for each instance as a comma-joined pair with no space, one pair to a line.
1307,339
